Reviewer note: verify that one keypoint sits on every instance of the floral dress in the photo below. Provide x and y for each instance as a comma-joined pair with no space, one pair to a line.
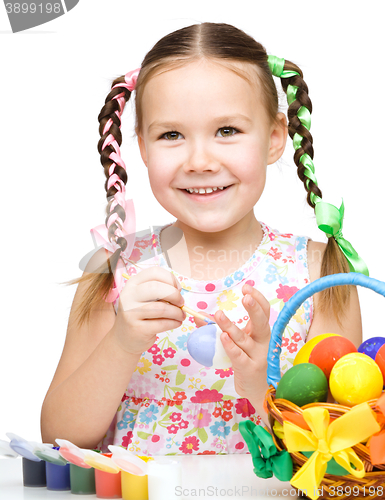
173,405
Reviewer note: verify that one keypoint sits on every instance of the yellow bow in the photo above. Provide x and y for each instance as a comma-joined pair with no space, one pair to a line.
328,441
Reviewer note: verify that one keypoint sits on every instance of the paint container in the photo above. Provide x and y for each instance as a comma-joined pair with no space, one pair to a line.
33,468
134,473
164,476
58,476
34,475
108,484
57,469
82,475
82,480
134,487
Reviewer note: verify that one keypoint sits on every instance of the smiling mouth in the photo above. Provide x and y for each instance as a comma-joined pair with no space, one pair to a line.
212,191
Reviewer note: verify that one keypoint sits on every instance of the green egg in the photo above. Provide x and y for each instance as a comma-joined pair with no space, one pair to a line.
303,384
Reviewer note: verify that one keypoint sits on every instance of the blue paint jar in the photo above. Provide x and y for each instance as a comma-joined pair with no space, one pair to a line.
58,476
34,473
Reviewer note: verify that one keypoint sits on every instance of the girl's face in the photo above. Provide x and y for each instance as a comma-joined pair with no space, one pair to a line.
206,127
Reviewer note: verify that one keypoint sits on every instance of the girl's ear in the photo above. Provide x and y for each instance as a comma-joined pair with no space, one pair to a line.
142,149
278,138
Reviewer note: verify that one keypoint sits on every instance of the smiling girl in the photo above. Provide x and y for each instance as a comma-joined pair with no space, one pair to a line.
208,126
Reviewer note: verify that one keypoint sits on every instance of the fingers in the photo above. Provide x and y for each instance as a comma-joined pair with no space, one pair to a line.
258,309
238,357
244,341
167,316
150,285
156,290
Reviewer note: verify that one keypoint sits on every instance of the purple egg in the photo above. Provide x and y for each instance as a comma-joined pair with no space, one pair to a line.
371,346
201,344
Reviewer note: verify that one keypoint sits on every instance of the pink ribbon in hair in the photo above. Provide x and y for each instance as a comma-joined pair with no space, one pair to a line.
100,236
130,82
130,79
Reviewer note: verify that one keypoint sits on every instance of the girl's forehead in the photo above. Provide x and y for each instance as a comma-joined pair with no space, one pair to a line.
202,82
205,70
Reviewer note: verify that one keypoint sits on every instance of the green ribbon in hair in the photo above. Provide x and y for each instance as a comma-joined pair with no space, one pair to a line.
329,220
329,217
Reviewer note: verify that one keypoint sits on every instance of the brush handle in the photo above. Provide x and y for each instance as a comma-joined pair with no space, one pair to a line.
195,314
291,306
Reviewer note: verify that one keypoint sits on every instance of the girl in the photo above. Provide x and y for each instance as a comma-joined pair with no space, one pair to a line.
208,125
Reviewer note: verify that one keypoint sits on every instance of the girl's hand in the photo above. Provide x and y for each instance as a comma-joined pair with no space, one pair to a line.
150,303
247,348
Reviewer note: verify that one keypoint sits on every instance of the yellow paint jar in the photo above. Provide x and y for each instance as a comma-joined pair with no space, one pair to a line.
135,487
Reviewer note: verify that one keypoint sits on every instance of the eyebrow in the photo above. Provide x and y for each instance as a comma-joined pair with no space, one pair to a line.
227,119
232,118
166,125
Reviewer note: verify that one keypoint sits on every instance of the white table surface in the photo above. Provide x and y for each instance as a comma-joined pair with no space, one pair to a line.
232,475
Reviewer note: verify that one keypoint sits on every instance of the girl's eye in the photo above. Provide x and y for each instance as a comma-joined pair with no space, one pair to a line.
172,136
227,131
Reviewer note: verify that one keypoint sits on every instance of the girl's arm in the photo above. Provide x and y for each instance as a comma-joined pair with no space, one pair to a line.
326,323
100,357
90,379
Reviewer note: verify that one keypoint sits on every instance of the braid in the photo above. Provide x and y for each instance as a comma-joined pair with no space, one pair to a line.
114,167
299,116
298,113
101,280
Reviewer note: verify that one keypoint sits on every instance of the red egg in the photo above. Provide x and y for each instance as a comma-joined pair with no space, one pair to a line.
327,352
380,359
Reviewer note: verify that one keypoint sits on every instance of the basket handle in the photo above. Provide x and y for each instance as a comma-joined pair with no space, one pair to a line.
291,306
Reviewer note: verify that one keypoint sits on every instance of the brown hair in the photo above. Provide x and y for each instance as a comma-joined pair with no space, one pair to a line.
223,43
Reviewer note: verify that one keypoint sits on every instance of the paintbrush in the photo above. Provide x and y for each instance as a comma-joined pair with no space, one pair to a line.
185,308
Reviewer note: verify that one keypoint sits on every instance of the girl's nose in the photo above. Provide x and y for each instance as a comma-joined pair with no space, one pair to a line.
201,159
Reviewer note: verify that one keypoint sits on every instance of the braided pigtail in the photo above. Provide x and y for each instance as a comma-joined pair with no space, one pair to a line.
339,255
118,234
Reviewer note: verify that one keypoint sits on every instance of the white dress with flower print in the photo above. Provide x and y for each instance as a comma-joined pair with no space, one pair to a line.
172,404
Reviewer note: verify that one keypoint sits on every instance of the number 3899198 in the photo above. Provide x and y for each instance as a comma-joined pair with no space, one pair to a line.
32,8
365,491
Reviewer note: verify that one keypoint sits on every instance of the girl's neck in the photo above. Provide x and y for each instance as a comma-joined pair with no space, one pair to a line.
211,256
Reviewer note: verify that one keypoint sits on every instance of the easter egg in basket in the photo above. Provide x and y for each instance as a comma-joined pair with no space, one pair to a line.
305,351
303,384
371,346
354,379
327,352
380,359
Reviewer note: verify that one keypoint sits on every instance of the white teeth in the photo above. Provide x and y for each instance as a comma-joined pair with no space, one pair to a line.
203,190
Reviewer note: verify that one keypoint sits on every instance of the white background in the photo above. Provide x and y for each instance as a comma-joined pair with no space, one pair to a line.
54,79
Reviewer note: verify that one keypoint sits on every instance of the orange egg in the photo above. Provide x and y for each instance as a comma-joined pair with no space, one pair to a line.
304,353
327,352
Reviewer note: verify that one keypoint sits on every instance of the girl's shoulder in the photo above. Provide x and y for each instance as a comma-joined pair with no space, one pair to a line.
315,252
289,242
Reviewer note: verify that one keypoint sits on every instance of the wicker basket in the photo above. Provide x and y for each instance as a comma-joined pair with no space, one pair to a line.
372,485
